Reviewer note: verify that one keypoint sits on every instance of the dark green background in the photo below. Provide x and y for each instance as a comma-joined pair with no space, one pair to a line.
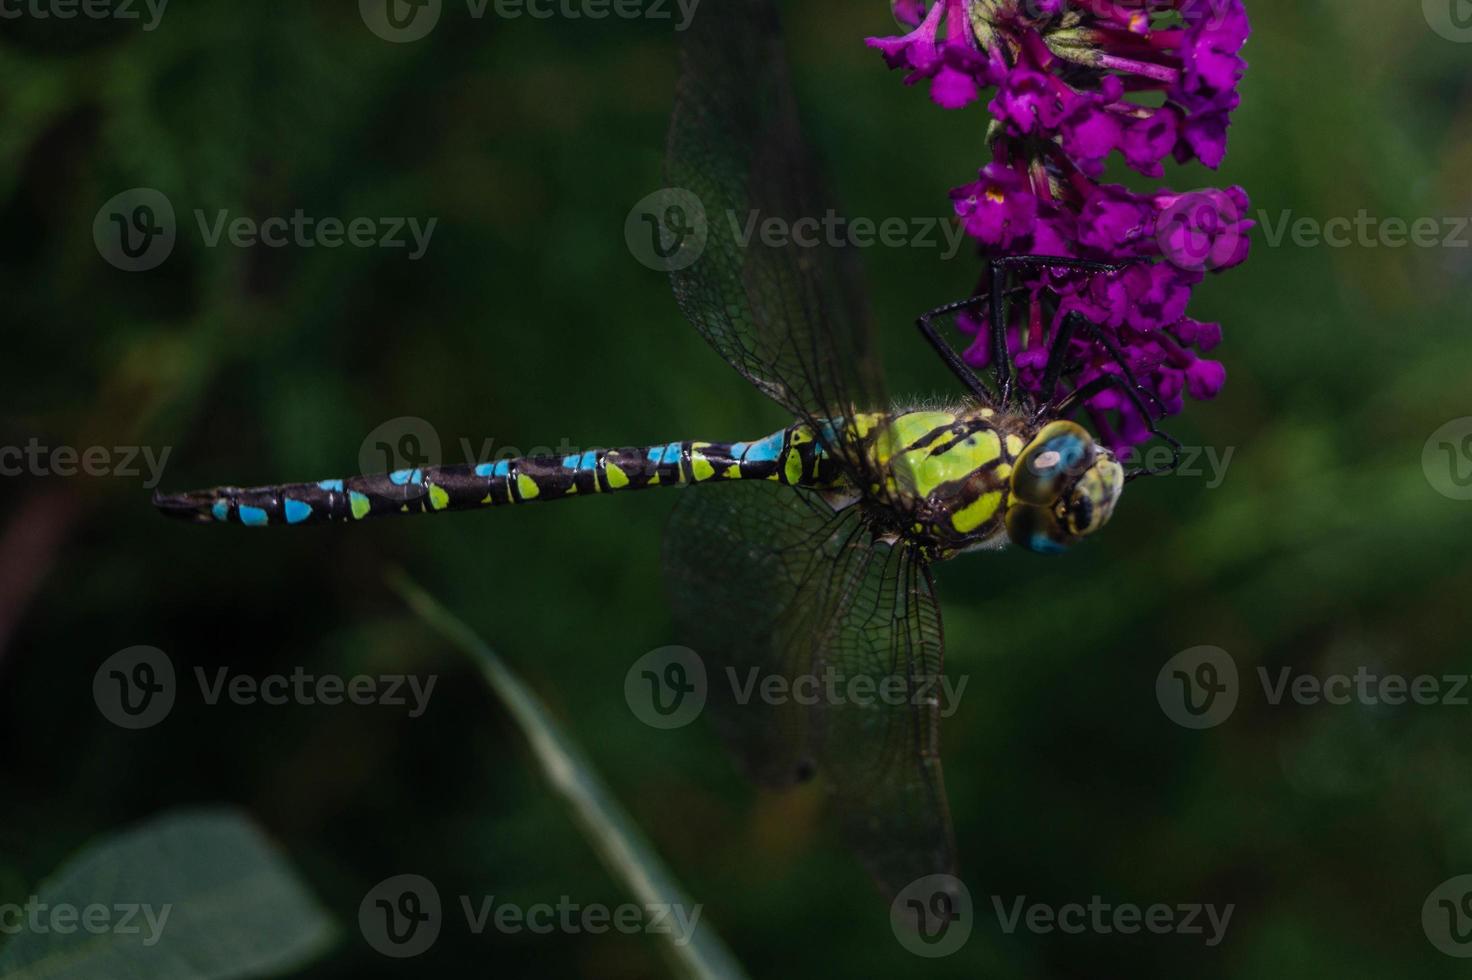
528,322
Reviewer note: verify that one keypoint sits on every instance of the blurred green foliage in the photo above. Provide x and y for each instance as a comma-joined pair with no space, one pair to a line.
220,903
527,322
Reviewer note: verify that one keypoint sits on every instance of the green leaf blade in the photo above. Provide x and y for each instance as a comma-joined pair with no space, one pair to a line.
192,894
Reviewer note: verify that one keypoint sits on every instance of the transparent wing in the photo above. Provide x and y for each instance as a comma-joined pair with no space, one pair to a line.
880,749
770,292
768,582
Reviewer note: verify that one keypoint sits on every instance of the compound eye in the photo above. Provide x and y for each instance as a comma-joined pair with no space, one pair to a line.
1037,529
1059,452
1083,513
1091,503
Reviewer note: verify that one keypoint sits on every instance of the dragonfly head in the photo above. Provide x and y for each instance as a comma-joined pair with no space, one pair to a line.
1064,487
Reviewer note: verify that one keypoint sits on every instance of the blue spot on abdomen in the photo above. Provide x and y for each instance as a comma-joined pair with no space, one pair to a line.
501,467
765,451
666,455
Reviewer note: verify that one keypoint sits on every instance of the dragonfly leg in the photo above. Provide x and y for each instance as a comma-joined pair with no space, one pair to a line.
1060,262
1001,357
947,353
953,360
998,271
1070,402
995,299
1125,381
1059,350
1056,356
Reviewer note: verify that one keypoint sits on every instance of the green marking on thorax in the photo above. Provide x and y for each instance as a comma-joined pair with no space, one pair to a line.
928,469
977,513
903,430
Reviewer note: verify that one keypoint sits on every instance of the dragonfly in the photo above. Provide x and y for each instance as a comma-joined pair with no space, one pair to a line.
808,552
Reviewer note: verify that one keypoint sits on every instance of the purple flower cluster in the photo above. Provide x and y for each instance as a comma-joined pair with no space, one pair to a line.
1075,81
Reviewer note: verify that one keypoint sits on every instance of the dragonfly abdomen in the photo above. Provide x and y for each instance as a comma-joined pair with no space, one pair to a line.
790,456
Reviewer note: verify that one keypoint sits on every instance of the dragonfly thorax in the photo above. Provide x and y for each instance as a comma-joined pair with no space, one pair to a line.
975,478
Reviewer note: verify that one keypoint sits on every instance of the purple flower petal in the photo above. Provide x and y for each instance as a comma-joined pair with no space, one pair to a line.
998,209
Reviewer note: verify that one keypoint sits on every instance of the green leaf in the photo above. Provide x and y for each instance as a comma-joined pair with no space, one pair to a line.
191,894
609,828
